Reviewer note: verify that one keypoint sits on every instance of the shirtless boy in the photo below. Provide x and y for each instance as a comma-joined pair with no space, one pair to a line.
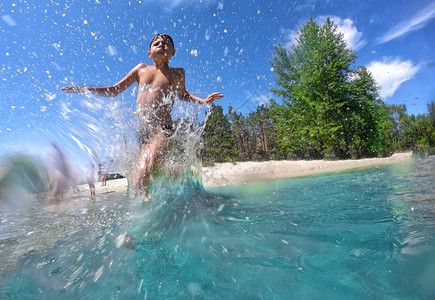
159,84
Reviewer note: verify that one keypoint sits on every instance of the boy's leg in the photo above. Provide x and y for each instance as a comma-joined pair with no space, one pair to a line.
148,157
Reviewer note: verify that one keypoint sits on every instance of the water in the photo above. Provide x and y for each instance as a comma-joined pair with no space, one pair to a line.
355,235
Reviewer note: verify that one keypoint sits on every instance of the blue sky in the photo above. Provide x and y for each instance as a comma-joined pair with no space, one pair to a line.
223,45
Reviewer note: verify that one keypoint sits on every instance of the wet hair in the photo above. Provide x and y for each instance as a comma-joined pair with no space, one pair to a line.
164,36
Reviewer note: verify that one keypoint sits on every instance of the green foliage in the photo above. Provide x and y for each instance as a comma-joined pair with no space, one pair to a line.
328,107
235,137
254,135
367,117
218,141
431,125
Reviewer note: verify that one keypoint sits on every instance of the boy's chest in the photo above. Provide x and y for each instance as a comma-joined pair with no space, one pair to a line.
156,78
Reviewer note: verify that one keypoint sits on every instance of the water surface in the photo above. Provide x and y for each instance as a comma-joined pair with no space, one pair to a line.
362,234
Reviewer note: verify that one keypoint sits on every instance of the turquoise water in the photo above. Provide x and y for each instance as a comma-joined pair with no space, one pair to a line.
364,234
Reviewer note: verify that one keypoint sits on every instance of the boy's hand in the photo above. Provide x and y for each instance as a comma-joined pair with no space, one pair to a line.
74,89
210,98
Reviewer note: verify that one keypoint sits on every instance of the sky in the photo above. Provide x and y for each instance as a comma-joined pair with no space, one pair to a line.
224,46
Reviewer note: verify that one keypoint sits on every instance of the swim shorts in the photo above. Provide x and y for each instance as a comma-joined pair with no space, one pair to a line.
143,135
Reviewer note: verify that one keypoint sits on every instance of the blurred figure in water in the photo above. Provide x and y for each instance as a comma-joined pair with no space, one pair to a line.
21,178
60,173
91,179
102,173
49,176
159,85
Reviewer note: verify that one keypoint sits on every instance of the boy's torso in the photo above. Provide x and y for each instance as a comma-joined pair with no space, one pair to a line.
156,95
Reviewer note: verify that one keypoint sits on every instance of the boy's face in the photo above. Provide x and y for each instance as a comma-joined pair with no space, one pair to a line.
161,49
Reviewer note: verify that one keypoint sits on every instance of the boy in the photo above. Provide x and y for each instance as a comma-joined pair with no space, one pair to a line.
159,84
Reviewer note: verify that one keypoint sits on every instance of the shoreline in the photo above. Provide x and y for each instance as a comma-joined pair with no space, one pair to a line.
233,174
112,186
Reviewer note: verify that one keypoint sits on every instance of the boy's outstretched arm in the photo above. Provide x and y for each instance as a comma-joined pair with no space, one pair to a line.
188,97
107,91
184,95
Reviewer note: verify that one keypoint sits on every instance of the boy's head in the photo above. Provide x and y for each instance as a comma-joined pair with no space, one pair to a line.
161,48
164,36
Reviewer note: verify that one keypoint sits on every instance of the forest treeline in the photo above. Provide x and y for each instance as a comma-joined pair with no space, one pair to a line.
327,108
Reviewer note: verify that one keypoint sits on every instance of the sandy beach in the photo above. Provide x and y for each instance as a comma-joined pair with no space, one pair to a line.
116,185
225,174
248,172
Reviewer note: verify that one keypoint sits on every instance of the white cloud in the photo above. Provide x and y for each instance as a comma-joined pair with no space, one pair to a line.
416,22
390,73
260,99
9,20
351,35
290,38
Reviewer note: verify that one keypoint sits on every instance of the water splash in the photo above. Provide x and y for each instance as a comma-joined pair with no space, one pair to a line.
93,131
53,252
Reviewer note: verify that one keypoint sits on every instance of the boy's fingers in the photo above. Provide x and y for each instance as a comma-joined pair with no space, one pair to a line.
68,89
73,89
213,97
216,95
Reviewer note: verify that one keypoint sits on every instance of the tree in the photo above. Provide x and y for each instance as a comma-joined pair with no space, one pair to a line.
397,125
261,127
322,97
218,140
367,116
240,133
431,112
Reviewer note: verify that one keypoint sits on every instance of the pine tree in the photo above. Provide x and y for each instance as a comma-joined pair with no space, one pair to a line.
238,127
218,140
431,114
